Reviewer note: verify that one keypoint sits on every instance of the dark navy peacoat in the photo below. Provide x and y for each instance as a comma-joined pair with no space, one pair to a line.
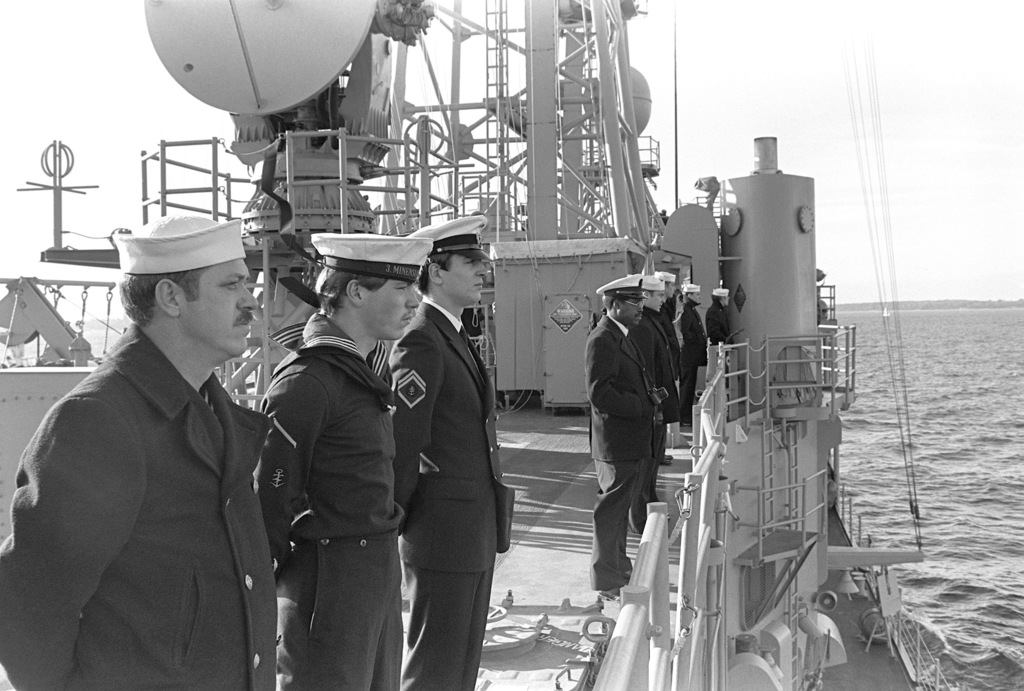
621,411
694,351
138,558
653,343
718,323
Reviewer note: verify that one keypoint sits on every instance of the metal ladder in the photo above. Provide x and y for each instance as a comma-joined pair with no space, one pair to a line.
498,187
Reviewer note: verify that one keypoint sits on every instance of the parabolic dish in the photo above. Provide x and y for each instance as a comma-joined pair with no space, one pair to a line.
256,56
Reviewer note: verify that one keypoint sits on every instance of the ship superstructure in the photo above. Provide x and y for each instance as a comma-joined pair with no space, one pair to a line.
530,114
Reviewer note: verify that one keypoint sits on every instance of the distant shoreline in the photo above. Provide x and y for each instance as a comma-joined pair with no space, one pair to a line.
935,305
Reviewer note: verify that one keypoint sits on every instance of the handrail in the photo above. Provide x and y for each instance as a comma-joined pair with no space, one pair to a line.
637,655
906,632
832,368
641,652
644,614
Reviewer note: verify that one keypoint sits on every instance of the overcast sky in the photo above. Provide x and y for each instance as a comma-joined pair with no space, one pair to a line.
951,97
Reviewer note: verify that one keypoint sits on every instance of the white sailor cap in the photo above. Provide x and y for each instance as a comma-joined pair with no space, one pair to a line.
720,292
627,287
369,254
652,283
179,243
461,236
666,276
691,288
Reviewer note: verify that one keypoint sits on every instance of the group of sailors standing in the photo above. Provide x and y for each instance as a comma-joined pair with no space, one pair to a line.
165,537
640,379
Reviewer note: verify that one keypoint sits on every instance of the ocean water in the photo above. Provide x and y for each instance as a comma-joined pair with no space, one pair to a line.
965,385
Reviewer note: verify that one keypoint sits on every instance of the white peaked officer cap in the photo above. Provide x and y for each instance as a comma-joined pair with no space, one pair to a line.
691,288
652,283
720,292
369,254
461,236
666,276
179,243
627,287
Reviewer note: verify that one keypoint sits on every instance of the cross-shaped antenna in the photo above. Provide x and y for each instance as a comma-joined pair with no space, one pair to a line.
57,161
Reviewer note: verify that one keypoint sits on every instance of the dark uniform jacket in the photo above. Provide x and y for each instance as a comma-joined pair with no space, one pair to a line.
653,343
718,323
446,449
138,558
621,411
669,328
694,351
326,471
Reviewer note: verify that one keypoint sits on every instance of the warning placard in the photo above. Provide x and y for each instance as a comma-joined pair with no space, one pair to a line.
565,315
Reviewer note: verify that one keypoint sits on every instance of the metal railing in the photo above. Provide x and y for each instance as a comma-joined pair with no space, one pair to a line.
733,361
212,181
644,651
907,635
810,370
909,640
801,513
632,662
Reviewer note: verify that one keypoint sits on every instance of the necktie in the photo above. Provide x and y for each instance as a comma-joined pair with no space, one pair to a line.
473,353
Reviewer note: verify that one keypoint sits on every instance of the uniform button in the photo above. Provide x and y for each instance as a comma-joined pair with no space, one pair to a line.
255,660
325,541
248,581
362,543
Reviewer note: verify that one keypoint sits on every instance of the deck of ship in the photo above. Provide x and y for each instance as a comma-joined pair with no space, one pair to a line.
546,457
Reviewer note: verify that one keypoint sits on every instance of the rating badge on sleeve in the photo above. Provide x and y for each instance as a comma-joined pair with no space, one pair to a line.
411,388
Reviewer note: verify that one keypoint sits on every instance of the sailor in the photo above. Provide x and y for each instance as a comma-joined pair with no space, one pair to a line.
717,318
326,480
693,353
138,558
652,341
672,294
623,404
667,316
446,467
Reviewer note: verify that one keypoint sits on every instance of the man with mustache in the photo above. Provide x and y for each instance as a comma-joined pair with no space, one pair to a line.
446,466
623,406
326,479
138,558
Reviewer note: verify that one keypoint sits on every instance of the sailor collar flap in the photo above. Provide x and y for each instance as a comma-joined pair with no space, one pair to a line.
324,340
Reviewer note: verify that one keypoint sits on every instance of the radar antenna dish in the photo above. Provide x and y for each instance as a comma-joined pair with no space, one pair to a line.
257,56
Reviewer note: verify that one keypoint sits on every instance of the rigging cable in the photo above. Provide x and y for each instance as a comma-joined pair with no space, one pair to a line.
871,163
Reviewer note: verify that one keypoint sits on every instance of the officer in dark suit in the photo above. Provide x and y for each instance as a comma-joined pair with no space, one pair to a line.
446,462
326,477
622,420
693,354
652,341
